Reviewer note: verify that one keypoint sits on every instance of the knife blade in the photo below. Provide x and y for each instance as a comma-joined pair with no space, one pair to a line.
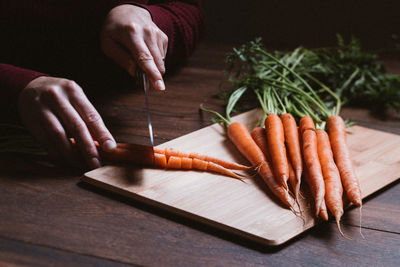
141,75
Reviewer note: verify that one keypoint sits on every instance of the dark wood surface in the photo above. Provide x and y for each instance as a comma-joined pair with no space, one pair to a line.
49,218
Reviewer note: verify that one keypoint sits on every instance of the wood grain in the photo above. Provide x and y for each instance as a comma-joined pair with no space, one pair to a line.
16,253
247,209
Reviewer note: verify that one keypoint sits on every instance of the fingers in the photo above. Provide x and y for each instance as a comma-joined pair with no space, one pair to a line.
92,120
54,109
80,120
58,140
76,127
49,132
130,33
147,62
163,45
119,54
155,50
83,122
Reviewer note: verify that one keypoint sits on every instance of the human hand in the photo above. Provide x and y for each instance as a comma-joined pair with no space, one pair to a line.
54,109
131,39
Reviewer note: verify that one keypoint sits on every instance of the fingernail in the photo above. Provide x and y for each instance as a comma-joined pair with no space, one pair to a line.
95,163
160,85
109,145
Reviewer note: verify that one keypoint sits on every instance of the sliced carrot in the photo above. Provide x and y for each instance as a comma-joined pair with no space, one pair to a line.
174,162
160,160
229,165
187,163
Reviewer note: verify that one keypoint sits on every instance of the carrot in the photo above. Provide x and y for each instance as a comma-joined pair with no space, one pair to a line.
333,185
337,135
294,182
276,146
323,213
229,165
314,178
243,141
127,153
176,162
293,146
160,160
259,136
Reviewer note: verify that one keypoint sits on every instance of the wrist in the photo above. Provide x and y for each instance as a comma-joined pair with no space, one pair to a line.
138,9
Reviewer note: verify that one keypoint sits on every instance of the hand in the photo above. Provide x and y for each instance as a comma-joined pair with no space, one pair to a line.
54,109
130,37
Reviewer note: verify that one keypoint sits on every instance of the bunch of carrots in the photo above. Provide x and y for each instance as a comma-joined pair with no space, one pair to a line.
300,136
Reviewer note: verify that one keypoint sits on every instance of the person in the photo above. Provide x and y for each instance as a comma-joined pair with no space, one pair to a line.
47,47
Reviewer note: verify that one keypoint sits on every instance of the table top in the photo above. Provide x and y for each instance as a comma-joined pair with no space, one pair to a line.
48,217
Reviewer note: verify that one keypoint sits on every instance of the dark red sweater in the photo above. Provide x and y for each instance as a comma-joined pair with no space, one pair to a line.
61,38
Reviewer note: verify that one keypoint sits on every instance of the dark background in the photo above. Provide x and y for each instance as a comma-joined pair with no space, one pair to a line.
287,24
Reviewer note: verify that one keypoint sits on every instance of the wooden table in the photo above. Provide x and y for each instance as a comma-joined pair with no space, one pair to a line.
48,217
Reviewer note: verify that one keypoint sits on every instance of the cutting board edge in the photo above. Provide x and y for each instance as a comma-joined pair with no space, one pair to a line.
191,216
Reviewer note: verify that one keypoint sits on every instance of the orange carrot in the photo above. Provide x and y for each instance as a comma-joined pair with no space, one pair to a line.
337,135
229,165
314,178
276,146
294,182
160,160
323,213
176,162
259,136
333,185
293,145
127,153
243,141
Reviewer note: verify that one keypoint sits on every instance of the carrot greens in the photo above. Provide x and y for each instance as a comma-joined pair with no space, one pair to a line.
320,77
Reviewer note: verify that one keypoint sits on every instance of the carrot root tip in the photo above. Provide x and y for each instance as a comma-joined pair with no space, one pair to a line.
337,218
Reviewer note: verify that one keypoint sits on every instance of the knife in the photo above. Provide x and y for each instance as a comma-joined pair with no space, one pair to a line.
135,153
143,82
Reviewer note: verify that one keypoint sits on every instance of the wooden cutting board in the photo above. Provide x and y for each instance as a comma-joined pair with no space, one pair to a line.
244,208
